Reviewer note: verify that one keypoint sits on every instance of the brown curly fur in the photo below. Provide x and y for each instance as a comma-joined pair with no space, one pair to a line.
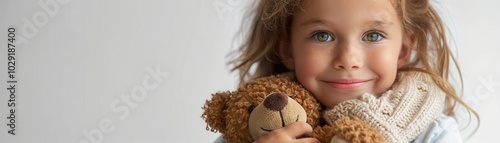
323,133
227,112
352,129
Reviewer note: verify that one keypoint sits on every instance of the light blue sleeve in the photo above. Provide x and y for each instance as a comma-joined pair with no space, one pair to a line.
220,140
443,130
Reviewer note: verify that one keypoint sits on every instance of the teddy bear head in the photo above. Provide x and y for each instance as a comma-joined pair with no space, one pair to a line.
229,112
276,111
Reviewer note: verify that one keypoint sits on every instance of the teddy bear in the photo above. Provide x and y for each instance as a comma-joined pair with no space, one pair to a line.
278,110
254,110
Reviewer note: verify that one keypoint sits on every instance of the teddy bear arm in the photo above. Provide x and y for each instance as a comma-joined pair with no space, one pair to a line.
355,130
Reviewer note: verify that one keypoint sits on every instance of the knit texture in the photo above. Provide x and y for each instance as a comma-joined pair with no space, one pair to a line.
400,114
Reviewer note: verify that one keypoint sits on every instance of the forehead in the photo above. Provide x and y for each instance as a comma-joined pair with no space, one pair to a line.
347,11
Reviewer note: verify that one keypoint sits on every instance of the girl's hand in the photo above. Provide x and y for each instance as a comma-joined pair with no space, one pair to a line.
297,132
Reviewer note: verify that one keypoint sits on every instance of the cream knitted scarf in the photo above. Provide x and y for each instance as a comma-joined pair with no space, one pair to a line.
400,114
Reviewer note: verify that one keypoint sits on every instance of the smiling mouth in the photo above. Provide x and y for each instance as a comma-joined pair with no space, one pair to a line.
346,84
283,124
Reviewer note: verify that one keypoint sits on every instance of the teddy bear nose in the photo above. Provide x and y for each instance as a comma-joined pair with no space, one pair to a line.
276,101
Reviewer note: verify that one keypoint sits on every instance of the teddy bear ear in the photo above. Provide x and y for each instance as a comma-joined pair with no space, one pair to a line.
213,113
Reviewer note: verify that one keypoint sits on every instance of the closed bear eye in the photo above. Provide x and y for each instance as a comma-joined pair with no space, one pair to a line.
267,130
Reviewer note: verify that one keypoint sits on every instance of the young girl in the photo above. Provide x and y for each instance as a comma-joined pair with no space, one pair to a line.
343,49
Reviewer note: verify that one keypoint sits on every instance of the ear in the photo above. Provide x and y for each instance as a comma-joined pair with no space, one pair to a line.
214,111
285,54
409,42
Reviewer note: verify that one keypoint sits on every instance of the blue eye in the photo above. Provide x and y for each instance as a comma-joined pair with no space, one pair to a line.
322,37
373,37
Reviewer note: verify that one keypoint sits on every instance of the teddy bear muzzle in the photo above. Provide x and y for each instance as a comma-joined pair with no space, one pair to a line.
276,111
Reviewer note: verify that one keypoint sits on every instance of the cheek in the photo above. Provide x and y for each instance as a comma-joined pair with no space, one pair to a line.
384,65
309,61
383,62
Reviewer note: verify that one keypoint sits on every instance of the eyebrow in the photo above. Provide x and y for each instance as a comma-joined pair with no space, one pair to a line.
313,21
375,23
378,23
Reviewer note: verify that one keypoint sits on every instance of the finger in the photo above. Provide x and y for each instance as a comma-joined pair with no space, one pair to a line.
308,140
297,129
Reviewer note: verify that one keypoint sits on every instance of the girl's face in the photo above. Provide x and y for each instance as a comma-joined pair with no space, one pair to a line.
340,49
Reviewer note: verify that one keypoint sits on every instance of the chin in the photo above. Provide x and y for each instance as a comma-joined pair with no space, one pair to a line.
337,101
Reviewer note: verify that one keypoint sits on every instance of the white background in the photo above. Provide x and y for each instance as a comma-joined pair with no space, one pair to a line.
80,59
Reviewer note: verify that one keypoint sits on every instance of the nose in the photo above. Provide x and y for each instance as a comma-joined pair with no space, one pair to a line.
276,101
347,57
